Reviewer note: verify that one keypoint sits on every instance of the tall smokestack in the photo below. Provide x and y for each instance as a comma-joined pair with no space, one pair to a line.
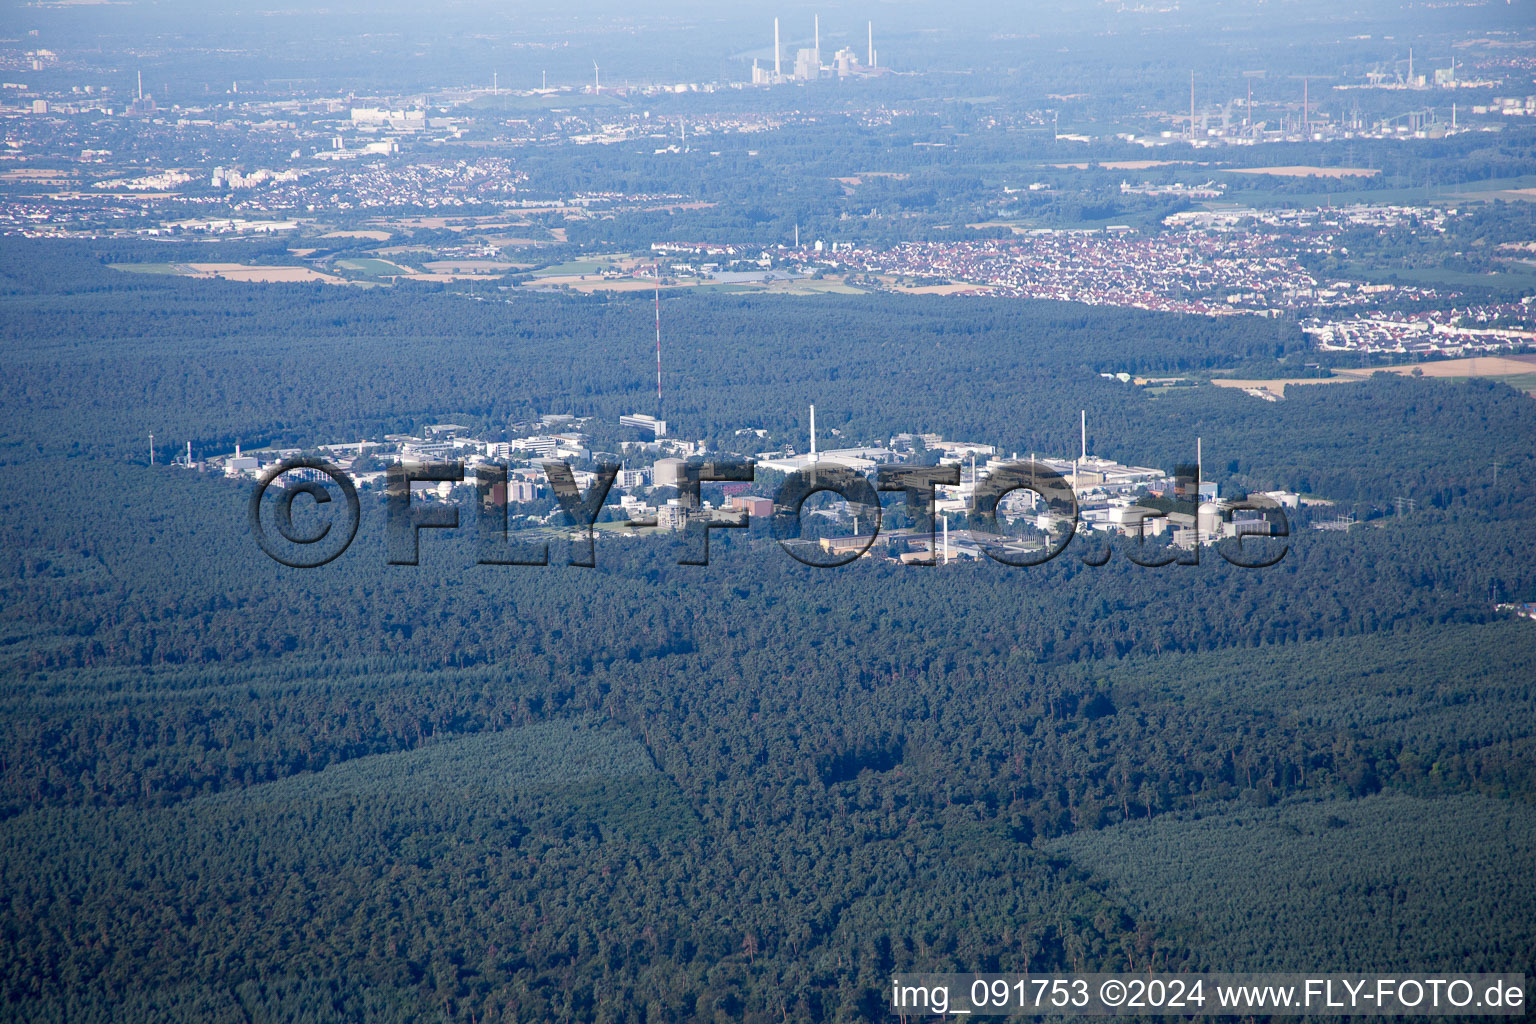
1191,106
813,433
777,71
818,40
141,85
871,44
1085,434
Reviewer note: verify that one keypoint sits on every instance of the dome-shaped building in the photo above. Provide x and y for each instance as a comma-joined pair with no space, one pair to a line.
1208,521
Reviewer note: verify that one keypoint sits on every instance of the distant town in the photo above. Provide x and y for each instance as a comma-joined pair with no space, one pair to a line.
1158,201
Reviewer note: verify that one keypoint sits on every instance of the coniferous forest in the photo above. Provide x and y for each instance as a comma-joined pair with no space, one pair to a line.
748,791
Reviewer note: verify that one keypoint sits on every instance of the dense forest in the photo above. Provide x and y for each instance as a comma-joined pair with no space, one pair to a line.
747,791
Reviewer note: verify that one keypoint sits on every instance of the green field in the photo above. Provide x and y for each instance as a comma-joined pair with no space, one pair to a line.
593,266
1523,279
800,287
148,268
1521,382
1490,188
1346,192
374,267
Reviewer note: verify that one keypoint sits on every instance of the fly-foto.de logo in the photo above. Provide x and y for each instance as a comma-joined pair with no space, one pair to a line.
1040,496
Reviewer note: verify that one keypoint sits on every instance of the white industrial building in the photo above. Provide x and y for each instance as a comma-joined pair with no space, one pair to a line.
640,420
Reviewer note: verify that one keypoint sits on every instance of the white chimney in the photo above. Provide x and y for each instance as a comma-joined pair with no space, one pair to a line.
776,69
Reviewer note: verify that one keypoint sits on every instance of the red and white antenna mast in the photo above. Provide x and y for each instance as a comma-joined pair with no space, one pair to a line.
657,267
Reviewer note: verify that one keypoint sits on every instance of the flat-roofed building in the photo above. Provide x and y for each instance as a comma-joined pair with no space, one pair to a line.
631,478
752,505
640,420
540,446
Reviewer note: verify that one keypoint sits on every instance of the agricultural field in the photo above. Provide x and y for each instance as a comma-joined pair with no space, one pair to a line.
369,235
472,266
1307,171
233,272
1122,165
1516,276
375,267
1275,387
1518,372
576,268
810,286
150,268
1516,190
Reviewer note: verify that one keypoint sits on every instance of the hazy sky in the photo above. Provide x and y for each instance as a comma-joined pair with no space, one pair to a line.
189,44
